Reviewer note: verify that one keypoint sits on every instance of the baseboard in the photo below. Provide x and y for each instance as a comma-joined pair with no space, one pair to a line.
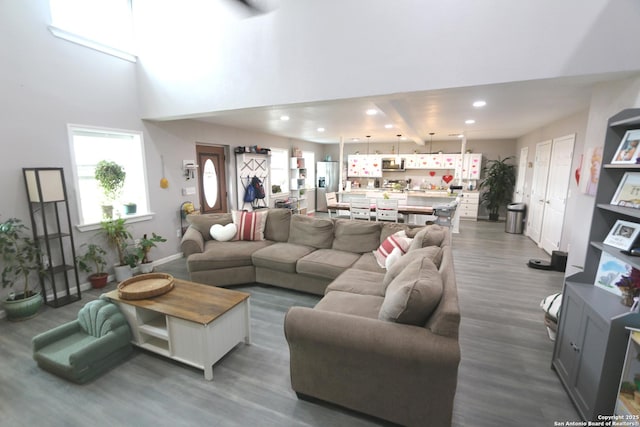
87,286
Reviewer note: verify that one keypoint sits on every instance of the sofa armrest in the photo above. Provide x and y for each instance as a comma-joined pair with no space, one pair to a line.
395,341
192,242
106,344
56,334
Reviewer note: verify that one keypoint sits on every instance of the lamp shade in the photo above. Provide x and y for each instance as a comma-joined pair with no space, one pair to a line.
48,180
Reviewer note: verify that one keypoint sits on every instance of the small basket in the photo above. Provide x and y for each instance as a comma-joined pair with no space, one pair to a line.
145,286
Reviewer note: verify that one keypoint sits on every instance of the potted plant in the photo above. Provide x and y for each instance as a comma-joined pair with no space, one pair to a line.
110,177
144,246
498,185
93,261
21,257
130,208
118,237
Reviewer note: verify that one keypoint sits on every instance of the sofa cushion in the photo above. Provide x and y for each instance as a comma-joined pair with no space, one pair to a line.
277,226
358,282
203,222
355,304
431,235
413,295
356,236
250,224
389,228
308,231
281,256
216,255
434,253
223,233
367,262
327,263
398,240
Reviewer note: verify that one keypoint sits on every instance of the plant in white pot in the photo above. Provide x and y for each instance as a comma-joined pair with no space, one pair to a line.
93,262
21,258
144,246
118,236
110,177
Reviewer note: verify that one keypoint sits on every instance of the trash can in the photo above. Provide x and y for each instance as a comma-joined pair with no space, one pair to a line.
515,218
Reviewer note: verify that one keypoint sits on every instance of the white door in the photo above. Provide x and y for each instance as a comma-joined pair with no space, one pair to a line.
522,170
557,188
539,190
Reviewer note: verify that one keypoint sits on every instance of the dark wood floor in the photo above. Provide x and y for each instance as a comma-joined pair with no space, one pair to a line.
504,378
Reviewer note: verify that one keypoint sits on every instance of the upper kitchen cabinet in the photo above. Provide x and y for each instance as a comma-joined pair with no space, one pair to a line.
364,166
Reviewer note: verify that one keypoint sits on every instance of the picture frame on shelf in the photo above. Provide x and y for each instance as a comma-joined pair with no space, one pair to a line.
629,148
628,191
610,269
623,235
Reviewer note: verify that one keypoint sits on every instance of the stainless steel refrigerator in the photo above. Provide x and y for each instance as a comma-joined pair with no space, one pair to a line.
327,174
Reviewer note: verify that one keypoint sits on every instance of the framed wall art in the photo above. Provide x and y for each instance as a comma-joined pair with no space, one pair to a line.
628,192
623,235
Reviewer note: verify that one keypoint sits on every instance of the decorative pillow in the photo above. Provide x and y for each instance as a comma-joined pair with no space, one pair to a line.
394,256
223,233
203,223
398,240
250,225
434,253
431,235
413,295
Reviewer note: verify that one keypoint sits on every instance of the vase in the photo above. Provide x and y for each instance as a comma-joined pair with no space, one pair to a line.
627,298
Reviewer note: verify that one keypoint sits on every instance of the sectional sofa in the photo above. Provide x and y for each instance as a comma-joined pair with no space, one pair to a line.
381,341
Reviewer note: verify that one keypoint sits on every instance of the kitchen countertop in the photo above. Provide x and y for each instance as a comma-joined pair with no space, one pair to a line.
410,193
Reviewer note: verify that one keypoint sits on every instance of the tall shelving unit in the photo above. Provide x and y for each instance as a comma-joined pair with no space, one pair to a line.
52,230
297,188
591,342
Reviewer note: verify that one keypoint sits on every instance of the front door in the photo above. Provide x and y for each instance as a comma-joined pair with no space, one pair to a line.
212,180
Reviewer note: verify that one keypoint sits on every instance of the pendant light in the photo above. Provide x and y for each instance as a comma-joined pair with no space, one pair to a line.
431,142
368,136
398,150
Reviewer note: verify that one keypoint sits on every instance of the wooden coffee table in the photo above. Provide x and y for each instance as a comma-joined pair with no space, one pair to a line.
194,324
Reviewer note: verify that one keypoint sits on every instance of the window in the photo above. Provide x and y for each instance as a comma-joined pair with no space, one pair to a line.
280,169
104,25
91,145
310,163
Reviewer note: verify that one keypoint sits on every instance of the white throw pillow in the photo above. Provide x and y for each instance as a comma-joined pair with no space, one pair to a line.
397,240
223,233
395,255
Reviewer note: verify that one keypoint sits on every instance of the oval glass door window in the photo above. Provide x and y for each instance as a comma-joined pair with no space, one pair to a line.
210,183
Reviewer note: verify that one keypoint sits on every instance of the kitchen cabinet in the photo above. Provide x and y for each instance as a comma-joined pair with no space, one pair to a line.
364,166
589,350
471,166
468,207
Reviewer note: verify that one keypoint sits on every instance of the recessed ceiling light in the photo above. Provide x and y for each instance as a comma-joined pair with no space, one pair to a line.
461,136
372,112
403,138
388,126
479,103
320,129
284,118
470,121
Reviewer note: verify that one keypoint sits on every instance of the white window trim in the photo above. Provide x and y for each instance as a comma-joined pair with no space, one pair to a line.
74,169
82,41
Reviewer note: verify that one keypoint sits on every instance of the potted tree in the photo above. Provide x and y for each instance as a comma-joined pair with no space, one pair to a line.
498,185
21,257
144,246
110,177
93,261
118,237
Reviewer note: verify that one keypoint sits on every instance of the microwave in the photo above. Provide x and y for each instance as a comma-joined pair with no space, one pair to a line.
392,164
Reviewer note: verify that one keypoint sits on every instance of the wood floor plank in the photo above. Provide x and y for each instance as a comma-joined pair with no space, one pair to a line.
504,378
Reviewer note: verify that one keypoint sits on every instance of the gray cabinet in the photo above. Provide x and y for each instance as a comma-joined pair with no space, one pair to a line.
590,347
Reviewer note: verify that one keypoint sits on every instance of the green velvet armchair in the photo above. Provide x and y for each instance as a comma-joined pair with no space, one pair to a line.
83,349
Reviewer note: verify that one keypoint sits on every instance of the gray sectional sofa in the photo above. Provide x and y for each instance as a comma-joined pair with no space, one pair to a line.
381,342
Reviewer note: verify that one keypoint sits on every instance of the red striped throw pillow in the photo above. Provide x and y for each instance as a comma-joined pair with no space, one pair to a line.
250,225
397,240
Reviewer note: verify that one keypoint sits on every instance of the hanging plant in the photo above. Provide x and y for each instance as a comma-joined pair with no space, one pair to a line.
110,177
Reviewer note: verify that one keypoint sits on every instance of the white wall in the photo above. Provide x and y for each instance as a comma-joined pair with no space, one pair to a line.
196,57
